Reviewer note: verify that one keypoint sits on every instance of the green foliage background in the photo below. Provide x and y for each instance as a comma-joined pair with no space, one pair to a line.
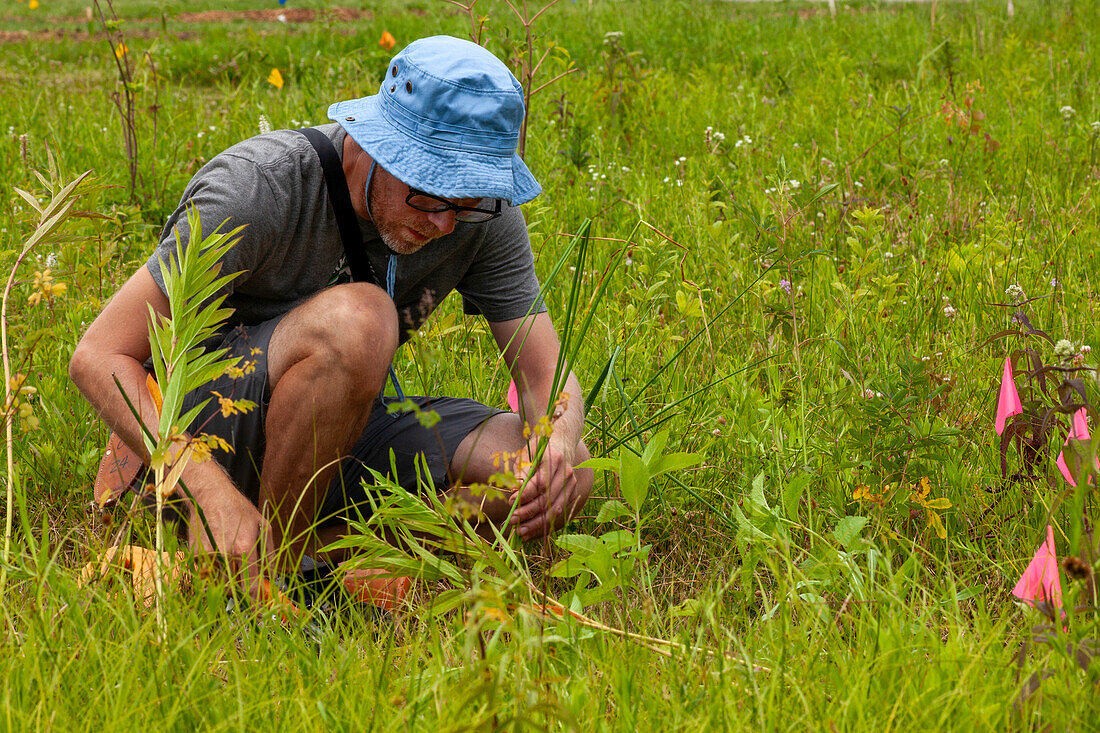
842,170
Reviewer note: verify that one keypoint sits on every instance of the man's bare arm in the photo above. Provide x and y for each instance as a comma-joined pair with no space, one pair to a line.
531,347
116,345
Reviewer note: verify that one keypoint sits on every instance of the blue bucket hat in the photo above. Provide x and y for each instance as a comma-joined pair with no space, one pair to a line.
446,120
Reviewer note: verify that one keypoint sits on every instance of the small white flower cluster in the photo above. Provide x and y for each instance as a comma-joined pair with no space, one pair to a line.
612,38
300,123
746,141
711,134
594,171
264,125
1064,349
1095,127
1015,292
950,311
1068,113
785,186
870,394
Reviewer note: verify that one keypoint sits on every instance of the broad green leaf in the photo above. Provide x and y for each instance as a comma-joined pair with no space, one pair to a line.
600,464
848,529
612,509
568,568
581,544
674,462
618,539
633,480
654,448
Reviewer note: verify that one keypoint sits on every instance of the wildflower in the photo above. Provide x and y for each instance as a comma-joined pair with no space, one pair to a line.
265,126
45,288
281,17
1015,292
1064,349
1086,349
387,41
1068,113
1095,127
121,50
1053,282
949,311
785,286
794,184
275,79
51,260
33,4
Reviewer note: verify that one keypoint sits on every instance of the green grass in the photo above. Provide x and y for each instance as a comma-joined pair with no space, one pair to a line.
848,625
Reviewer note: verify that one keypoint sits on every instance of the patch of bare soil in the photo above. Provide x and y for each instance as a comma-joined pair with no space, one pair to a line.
275,15
61,34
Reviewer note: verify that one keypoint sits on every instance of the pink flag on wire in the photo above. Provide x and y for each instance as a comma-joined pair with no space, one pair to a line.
1040,582
513,396
1008,404
1080,431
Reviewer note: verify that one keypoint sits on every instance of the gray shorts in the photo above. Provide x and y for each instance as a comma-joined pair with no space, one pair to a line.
401,434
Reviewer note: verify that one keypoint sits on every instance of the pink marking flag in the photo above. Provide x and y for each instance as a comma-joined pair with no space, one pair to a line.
1008,404
1040,582
1080,431
513,396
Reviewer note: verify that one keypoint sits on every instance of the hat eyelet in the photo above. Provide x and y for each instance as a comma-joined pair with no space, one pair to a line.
349,119
393,72
393,88
409,87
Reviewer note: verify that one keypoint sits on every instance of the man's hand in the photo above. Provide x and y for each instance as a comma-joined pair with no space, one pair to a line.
234,528
552,495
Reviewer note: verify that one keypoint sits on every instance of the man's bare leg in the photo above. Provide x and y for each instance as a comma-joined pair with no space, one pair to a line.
476,460
327,363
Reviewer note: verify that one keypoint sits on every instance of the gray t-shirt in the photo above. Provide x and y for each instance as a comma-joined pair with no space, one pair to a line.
290,247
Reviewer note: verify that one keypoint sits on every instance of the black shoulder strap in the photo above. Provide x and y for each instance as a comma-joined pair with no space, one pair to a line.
360,266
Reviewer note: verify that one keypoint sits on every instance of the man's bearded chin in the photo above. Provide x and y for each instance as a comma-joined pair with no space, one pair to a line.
396,245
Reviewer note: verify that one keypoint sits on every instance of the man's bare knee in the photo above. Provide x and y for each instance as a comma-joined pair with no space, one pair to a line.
348,329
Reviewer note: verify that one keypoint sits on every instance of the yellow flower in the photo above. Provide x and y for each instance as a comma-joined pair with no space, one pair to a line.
32,4
387,41
275,79
121,50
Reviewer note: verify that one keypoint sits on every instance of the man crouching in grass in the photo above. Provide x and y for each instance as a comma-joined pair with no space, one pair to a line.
435,185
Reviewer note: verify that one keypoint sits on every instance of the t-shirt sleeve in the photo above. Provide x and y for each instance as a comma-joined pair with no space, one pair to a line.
501,283
229,191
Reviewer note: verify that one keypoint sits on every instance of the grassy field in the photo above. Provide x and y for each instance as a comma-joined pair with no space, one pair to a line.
812,232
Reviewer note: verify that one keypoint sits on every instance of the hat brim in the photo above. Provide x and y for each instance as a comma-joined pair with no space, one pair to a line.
445,172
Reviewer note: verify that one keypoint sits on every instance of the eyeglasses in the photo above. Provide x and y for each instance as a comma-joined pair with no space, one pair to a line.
430,204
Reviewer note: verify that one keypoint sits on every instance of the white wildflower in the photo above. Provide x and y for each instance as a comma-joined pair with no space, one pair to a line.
1064,349
1068,113
265,126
